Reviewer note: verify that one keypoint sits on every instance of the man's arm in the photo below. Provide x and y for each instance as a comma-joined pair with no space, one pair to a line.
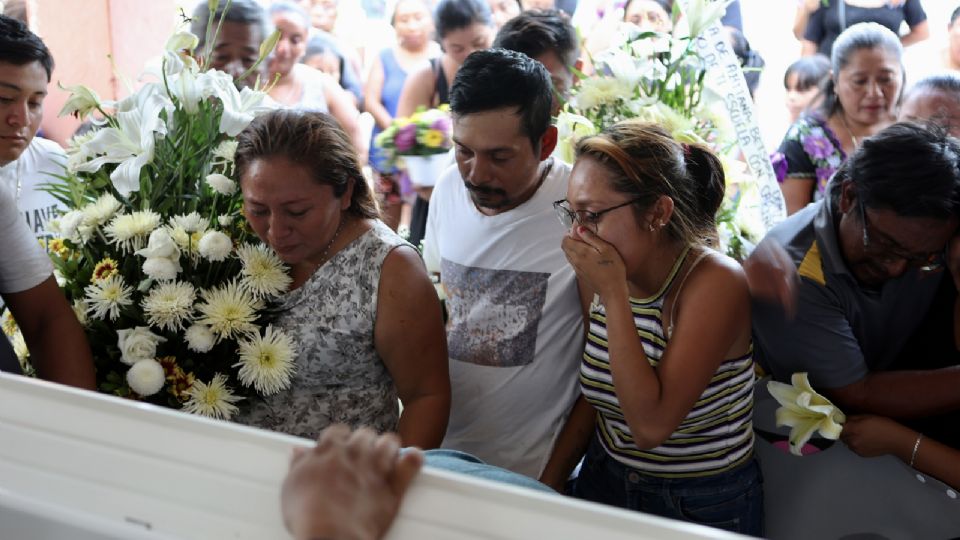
58,347
901,394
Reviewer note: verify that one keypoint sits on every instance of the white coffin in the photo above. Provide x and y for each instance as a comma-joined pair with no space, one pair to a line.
86,466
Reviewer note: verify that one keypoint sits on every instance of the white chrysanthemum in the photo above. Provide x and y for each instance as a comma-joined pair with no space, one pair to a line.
69,226
263,273
215,246
215,400
161,268
224,153
266,362
80,311
137,344
187,242
190,223
100,211
225,221
199,338
129,231
229,311
106,296
169,305
146,377
597,91
221,184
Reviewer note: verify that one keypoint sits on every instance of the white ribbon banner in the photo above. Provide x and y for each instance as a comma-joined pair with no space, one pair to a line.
725,74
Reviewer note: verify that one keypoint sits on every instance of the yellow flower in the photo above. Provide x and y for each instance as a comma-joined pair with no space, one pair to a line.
432,138
104,269
58,248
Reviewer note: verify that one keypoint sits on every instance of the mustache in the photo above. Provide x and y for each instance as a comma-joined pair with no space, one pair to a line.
481,190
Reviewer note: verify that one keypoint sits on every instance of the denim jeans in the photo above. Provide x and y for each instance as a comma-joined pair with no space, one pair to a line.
731,500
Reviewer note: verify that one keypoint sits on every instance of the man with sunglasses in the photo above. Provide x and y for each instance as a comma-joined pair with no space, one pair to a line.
871,258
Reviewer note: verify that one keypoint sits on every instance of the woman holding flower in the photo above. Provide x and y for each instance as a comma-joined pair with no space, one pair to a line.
361,308
665,415
859,100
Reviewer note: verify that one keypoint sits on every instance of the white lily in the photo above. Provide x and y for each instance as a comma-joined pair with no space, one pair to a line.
131,143
82,101
239,106
177,52
702,14
805,411
570,129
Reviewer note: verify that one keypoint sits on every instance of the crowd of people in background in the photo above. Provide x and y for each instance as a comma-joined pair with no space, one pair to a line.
615,337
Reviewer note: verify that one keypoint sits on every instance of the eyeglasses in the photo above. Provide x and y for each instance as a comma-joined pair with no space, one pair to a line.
890,253
586,218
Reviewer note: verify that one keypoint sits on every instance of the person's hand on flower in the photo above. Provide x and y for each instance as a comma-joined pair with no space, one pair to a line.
597,263
349,486
869,436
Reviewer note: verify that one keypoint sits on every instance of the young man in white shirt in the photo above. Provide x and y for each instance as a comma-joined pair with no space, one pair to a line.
515,326
58,346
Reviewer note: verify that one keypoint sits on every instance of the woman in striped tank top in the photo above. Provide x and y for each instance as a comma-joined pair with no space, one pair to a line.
667,373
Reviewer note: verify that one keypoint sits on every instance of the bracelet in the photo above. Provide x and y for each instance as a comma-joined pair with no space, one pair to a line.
916,446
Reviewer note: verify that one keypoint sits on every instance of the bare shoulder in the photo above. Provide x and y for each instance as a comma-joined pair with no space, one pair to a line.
716,275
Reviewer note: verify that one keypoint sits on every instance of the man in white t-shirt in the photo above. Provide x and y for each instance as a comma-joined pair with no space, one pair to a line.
26,177
57,344
515,326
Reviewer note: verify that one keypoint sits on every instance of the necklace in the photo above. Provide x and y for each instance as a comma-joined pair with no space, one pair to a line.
326,250
853,137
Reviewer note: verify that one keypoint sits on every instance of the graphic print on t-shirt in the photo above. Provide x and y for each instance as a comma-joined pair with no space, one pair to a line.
493,314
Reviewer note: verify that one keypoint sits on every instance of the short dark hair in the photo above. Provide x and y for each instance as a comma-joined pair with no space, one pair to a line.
497,78
536,32
954,16
315,141
946,82
456,14
19,46
867,35
910,169
246,12
810,71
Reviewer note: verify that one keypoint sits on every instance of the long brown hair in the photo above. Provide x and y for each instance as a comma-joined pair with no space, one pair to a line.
315,141
647,163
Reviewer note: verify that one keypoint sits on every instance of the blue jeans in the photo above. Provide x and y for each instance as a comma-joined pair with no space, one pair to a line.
731,500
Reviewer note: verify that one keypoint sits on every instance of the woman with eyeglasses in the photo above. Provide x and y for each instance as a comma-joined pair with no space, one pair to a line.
667,372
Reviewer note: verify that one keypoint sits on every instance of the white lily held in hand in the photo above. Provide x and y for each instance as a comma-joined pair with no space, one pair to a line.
805,411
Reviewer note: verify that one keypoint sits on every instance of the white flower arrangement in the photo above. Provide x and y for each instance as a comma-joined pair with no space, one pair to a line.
661,78
161,268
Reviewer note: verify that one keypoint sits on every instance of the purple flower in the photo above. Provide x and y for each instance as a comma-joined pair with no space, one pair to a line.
823,176
817,147
406,138
441,124
779,162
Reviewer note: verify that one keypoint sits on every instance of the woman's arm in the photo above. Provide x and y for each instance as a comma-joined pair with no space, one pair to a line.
417,91
410,338
571,444
869,436
797,193
341,107
805,8
372,93
917,33
807,47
